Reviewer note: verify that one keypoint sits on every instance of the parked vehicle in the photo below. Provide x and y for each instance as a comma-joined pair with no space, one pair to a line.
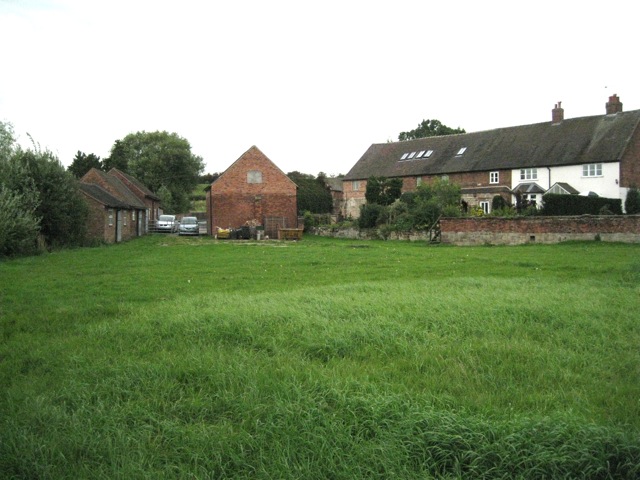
166,223
189,226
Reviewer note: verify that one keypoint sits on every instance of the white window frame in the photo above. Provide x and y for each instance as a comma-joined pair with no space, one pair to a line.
485,205
111,217
461,151
494,177
592,170
418,181
355,185
528,174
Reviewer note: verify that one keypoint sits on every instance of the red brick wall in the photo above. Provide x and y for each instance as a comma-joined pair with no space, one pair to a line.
233,201
494,230
354,198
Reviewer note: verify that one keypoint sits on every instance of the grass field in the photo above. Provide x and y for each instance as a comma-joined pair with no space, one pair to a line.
169,357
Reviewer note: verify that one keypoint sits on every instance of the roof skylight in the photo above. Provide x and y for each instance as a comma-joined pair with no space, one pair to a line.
411,155
461,151
428,153
404,156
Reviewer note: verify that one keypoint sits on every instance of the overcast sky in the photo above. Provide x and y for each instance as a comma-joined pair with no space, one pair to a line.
311,83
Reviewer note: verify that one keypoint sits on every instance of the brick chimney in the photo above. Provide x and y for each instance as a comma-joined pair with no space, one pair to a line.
614,105
557,114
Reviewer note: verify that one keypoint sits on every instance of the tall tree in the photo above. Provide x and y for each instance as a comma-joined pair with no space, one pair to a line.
19,224
382,190
62,209
313,194
159,159
119,158
429,128
82,163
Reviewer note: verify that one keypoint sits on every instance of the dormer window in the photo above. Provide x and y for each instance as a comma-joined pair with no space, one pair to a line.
461,151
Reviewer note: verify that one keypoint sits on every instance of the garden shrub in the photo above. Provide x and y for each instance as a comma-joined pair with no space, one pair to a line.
562,204
370,214
498,203
632,203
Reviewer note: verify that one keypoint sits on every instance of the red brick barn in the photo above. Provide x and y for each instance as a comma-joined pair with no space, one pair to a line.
108,216
150,199
252,190
121,212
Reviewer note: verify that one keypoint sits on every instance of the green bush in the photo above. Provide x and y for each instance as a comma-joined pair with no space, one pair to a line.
498,203
559,204
370,214
632,203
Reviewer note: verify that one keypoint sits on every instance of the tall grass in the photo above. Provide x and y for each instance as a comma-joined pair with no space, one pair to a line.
189,358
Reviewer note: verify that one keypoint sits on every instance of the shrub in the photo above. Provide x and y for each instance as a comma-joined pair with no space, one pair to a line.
559,204
498,203
370,214
632,203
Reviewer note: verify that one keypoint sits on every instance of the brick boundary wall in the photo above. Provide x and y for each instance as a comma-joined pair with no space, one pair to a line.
512,231
519,230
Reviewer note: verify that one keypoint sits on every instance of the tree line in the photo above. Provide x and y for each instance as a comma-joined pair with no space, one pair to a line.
162,161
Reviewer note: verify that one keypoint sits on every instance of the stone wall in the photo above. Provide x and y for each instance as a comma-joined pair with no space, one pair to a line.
511,231
519,230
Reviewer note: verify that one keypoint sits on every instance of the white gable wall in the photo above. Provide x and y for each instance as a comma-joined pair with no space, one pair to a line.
605,185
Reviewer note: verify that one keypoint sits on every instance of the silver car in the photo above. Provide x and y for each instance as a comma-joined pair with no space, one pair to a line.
189,226
166,223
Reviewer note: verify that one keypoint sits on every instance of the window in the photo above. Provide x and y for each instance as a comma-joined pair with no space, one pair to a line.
418,181
428,154
529,174
485,206
404,156
111,218
461,151
592,170
355,185
411,155
124,218
133,216
494,177
254,176
420,153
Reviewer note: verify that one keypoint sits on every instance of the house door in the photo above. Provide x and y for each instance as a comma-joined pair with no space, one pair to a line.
118,225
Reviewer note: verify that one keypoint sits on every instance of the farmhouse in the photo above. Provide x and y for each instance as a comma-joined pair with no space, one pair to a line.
587,155
252,190
115,212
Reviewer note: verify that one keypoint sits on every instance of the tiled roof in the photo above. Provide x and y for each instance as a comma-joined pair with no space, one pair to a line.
102,196
124,194
136,182
600,139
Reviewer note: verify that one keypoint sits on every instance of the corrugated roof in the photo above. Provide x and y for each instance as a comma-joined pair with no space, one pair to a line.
571,142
